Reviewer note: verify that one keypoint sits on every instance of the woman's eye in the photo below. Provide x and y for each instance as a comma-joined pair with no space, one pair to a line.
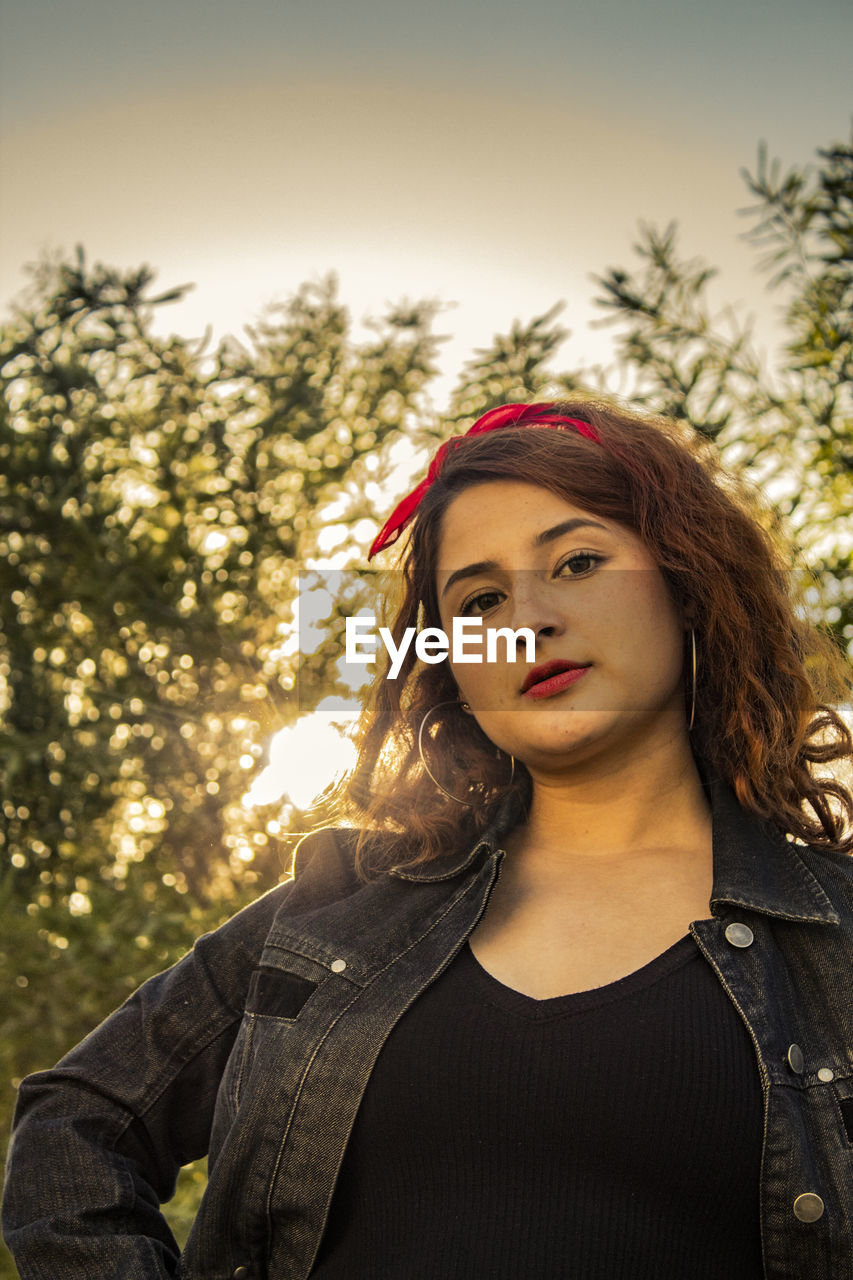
481,602
579,563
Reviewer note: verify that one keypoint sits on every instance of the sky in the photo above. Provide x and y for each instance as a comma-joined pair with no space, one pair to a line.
494,156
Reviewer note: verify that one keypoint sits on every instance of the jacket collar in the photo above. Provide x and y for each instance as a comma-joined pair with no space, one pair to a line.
755,866
452,864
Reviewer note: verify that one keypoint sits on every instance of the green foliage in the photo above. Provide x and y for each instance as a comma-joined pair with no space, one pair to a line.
515,368
791,428
158,504
155,501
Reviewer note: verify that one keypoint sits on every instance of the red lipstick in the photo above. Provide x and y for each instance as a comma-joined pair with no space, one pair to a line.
551,678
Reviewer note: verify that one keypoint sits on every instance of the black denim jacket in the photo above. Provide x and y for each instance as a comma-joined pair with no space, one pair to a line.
258,1045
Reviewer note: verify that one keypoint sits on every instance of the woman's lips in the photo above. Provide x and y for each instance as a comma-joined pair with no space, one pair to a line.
561,679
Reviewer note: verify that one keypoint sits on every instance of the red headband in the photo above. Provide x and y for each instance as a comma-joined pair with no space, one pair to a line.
508,415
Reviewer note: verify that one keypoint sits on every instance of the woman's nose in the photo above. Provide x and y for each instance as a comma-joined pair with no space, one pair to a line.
534,606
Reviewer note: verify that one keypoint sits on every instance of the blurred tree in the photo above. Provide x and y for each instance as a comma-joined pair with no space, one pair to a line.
157,505
155,502
514,367
790,429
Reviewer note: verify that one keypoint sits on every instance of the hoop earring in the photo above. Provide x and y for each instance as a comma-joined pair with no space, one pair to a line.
429,772
692,680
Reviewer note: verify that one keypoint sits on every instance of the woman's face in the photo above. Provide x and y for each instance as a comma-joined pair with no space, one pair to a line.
519,556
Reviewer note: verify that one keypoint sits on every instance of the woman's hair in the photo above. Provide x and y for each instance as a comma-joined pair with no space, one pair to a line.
767,680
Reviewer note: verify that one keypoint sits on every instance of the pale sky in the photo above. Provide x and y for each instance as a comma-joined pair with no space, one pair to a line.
493,155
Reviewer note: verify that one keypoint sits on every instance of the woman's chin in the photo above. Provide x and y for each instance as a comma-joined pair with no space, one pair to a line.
549,747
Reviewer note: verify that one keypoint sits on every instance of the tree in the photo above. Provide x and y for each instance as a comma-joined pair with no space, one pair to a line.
789,429
155,502
157,507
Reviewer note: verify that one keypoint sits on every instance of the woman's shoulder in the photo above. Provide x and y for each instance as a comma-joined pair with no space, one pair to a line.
328,854
323,871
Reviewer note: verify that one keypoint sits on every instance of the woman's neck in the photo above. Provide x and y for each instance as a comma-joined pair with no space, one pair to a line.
605,809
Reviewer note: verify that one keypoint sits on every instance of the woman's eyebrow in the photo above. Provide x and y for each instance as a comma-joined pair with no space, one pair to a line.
470,571
548,535
567,526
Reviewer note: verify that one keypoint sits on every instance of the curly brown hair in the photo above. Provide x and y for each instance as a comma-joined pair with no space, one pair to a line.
768,680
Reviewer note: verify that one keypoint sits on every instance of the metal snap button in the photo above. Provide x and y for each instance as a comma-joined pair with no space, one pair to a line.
240,1273
826,1074
740,935
795,1059
338,966
808,1207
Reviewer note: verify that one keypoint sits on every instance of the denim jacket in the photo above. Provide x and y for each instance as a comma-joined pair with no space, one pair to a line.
258,1045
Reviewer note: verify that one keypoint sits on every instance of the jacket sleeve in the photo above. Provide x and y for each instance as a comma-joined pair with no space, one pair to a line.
98,1141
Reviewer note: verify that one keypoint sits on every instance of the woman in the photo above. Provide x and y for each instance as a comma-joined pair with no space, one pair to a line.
570,1003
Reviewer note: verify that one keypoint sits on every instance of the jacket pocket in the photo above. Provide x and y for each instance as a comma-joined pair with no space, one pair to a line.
274,996
277,993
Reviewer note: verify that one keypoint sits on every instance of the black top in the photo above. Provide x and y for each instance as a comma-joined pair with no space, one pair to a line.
614,1134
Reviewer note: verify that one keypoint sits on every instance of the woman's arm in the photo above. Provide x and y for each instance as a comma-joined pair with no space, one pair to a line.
98,1141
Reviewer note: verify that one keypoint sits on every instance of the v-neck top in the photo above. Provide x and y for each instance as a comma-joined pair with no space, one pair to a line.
610,1134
